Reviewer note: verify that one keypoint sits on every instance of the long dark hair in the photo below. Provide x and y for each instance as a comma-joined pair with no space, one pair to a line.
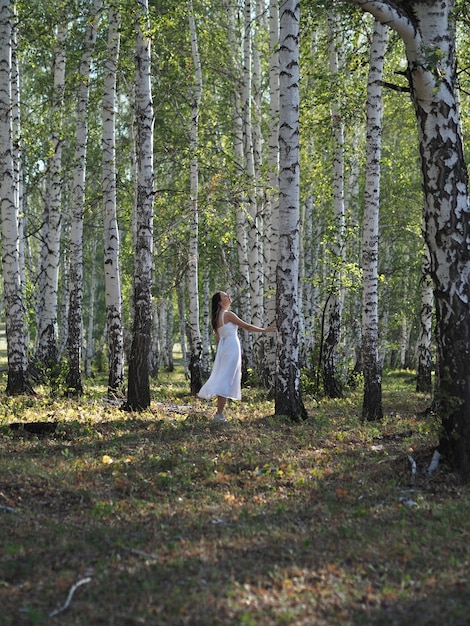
215,310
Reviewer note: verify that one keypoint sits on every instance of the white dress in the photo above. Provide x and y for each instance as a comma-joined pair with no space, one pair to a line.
225,378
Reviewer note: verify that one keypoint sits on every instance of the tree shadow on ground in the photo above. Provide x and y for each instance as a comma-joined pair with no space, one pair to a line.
196,528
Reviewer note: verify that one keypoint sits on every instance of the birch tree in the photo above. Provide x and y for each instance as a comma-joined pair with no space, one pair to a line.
252,221
195,363
331,379
46,340
14,308
372,400
75,322
257,261
138,391
288,400
111,230
428,32
272,213
248,250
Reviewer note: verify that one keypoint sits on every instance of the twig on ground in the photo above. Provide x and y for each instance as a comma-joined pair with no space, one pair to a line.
146,555
73,589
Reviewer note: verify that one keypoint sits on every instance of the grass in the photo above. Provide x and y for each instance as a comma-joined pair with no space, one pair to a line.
166,518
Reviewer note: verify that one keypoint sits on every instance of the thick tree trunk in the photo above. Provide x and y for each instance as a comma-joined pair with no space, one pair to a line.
428,31
138,392
271,233
12,294
445,182
288,399
46,341
372,400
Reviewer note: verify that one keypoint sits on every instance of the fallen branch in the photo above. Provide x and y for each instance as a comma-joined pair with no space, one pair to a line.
146,555
73,589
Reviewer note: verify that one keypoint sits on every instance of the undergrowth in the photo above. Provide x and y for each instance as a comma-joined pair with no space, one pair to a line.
166,518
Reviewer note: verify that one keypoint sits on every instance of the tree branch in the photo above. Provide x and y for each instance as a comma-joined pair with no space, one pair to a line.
73,589
396,18
394,87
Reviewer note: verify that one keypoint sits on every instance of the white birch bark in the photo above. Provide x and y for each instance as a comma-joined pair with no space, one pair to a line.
168,339
372,399
271,230
428,31
14,309
243,273
288,399
259,272
138,391
46,341
162,332
182,326
90,344
112,273
17,152
252,223
332,383
155,356
63,301
353,333
75,322
195,364
405,331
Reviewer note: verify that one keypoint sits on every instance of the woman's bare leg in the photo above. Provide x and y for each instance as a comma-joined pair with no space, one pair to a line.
221,402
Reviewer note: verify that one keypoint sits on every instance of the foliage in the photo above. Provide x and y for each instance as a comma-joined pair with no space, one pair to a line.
222,185
165,517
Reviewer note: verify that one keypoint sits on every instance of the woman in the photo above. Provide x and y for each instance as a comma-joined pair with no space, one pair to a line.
225,379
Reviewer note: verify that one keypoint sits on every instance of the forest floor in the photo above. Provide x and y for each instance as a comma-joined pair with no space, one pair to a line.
166,518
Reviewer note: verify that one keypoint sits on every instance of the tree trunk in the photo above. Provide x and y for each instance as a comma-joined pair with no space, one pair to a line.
46,341
75,324
271,233
307,265
90,344
372,400
12,293
138,391
428,31
182,327
195,359
110,225
288,399
332,384
257,265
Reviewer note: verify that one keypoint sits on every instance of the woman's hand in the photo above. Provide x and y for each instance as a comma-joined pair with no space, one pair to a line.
272,328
